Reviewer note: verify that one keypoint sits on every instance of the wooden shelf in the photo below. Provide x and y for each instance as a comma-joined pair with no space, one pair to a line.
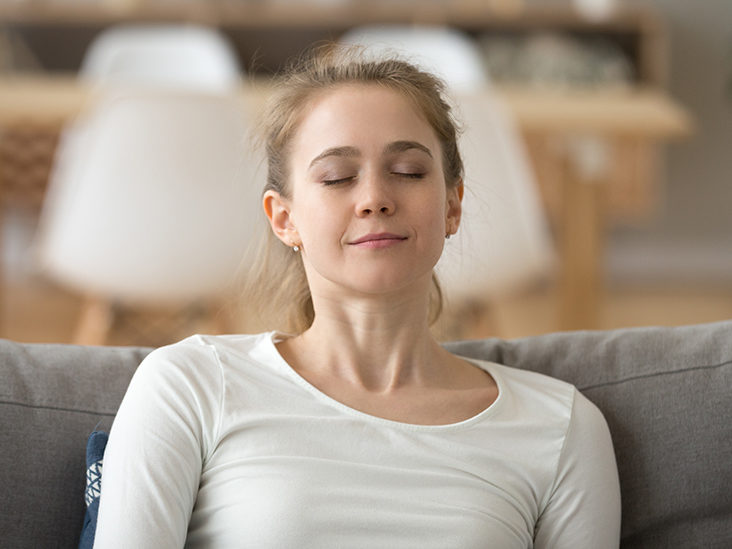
289,27
261,14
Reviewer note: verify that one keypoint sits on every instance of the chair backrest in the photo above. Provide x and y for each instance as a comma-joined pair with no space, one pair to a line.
172,56
163,204
503,242
445,52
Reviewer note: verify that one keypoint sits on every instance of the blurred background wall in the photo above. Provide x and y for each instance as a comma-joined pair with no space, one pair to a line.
681,242
690,236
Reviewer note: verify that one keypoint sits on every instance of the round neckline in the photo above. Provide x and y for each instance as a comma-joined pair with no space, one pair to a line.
275,337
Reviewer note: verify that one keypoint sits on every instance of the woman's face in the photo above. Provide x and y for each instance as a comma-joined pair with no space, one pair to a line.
368,203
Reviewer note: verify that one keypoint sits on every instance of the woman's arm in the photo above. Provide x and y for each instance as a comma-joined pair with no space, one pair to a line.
159,439
583,507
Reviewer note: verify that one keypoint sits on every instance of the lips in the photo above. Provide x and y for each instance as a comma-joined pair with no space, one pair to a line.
378,240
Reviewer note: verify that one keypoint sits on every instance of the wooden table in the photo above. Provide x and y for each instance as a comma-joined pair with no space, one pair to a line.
644,113
575,136
599,153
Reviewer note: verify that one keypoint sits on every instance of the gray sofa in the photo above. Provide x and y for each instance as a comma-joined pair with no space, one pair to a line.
665,392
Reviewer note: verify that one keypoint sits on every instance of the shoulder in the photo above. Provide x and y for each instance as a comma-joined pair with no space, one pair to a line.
198,359
555,408
549,404
531,392
208,347
550,394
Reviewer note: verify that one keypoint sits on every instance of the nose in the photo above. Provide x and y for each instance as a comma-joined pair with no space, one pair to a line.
374,197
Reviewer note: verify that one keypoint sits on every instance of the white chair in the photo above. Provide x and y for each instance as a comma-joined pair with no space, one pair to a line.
171,57
187,57
440,50
124,60
503,243
160,211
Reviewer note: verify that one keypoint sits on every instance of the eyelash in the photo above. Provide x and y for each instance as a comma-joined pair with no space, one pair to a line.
328,182
409,175
336,181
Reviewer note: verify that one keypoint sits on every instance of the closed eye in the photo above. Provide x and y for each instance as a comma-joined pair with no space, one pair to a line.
336,181
409,175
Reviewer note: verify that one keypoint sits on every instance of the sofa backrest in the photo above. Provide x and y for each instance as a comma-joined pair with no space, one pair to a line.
665,392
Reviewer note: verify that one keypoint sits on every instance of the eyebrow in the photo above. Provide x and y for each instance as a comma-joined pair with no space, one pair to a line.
346,152
353,152
401,146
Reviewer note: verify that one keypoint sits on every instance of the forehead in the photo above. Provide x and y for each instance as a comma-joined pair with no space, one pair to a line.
353,114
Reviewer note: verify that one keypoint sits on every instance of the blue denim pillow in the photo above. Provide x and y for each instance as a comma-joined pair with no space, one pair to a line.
95,446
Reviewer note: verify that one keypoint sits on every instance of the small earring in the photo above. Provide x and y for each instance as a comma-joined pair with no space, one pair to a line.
447,236
296,248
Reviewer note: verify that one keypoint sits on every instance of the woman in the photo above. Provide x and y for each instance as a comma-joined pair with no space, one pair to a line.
360,430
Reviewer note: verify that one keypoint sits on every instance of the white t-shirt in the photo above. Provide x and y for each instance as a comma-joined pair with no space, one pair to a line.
220,443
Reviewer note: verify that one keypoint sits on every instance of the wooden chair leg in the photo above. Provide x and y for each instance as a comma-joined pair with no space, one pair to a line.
469,321
483,321
217,317
94,323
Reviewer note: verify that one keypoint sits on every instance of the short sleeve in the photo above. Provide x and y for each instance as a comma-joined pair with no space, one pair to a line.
583,507
160,437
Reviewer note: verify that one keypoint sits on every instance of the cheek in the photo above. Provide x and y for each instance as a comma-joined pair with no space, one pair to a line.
430,220
318,226
433,207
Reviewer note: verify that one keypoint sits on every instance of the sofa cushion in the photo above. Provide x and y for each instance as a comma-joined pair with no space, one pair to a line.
667,396
51,398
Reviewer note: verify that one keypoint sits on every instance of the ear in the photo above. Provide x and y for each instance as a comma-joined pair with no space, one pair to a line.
278,213
454,207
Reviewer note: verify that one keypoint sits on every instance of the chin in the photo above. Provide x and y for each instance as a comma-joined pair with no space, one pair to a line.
377,278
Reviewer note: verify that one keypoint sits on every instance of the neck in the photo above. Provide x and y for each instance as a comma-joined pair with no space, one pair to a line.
378,344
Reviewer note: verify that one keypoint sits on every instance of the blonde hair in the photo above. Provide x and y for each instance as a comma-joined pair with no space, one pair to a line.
278,282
